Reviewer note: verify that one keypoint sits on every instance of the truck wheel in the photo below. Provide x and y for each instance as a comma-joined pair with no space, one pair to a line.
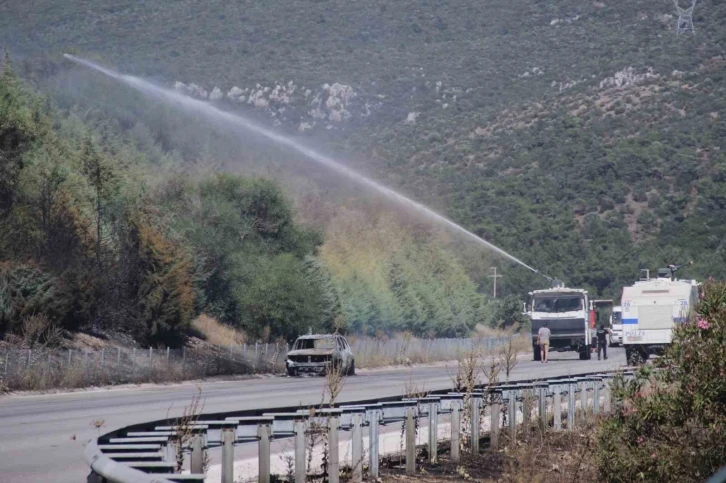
634,356
351,370
291,372
536,352
585,353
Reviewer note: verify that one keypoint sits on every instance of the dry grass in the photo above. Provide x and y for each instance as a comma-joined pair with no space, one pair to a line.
550,457
218,333
184,428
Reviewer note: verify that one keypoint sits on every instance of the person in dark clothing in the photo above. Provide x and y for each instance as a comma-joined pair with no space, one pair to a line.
602,341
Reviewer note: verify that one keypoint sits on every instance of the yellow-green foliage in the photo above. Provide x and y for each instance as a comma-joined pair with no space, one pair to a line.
396,276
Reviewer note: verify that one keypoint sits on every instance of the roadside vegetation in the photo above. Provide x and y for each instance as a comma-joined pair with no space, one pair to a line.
127,243
666,424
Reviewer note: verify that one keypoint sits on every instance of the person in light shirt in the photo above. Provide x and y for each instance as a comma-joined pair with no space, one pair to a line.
543,341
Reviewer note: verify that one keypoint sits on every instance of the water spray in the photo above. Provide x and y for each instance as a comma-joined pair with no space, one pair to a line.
212,112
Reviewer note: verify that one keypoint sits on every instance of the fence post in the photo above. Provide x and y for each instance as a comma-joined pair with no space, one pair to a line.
134,365
455,430
263,457
30,354
167,357
228,437
583,399
184,360
333,459
7,360
118,357
103,359
70,357
300,469
596,396
151,358
410,442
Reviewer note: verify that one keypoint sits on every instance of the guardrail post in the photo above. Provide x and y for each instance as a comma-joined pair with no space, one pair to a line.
527,395
373,440
495,419
475,425
596,396
333,459
228,437
433,431
606,396
543,406
300,469
410,441
571,393
197,458
455,431
512,416
357,444
557,407
263,452
583,398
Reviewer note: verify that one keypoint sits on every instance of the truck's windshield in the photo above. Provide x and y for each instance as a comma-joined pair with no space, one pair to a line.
557,303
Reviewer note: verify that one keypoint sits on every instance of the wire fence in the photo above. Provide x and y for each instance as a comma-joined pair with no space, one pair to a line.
32,369
42,368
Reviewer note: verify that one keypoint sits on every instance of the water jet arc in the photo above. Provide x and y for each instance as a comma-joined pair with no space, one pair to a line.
213,112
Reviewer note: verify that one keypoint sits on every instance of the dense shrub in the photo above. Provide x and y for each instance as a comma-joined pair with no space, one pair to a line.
670,425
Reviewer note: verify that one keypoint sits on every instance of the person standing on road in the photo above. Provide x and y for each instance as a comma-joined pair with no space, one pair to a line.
602,341
543,341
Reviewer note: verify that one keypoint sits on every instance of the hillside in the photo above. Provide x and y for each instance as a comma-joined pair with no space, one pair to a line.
587,138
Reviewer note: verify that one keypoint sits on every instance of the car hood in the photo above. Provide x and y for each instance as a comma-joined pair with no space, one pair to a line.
311,352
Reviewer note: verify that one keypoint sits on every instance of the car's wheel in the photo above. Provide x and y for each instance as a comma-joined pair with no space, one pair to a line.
351,369
291,372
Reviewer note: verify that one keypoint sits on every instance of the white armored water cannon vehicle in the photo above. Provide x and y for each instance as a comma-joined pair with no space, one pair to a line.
651,308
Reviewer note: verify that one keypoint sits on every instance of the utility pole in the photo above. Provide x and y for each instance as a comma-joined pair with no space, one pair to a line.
495,277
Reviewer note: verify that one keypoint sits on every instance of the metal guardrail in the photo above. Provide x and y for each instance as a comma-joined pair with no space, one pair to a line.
147,453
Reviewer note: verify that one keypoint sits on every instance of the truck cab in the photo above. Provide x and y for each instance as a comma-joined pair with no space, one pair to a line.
565,311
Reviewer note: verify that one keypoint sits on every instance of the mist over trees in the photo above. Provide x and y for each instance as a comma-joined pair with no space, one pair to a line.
106,231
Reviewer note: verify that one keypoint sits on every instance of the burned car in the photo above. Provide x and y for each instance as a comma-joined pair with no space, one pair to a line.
317,353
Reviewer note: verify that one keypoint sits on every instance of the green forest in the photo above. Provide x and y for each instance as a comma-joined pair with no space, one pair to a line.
587,139
101,236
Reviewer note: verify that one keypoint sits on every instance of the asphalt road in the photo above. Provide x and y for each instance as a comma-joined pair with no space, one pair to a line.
42,437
